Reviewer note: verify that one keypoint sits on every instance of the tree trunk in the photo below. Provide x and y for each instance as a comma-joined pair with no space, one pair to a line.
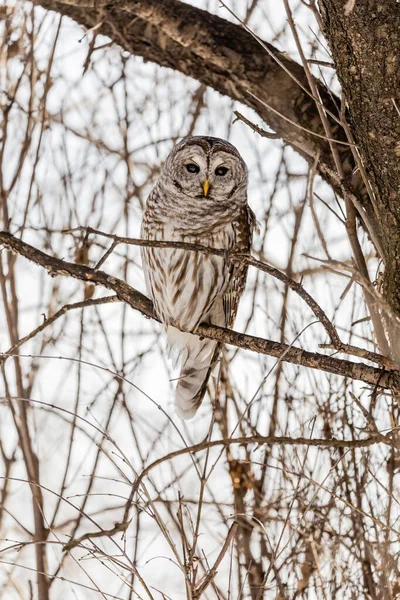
365,46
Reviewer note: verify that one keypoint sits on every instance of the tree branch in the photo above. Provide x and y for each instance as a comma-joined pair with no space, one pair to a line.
255,439
135,299
226,57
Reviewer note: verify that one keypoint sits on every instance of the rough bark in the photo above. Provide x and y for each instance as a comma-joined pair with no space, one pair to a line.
365,47
226,57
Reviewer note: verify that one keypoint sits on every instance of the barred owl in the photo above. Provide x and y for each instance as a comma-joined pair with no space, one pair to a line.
200,197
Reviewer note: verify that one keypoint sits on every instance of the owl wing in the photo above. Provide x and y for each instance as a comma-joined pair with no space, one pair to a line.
244,228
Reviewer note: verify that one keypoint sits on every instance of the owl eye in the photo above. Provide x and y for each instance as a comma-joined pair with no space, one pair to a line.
192,168
221,171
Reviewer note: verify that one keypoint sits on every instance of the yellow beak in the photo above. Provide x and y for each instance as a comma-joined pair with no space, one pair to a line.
206,187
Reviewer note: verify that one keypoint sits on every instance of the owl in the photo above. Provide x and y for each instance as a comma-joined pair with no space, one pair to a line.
199,198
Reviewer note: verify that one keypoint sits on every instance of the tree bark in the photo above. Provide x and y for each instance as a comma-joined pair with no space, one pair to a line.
365,47
227,58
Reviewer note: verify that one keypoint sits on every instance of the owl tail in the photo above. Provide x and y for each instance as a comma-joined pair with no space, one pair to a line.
198,358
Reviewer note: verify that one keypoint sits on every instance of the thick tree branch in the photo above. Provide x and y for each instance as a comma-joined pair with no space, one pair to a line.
291,354
226,57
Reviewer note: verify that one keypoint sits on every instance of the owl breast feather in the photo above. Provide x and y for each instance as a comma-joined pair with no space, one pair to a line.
186,285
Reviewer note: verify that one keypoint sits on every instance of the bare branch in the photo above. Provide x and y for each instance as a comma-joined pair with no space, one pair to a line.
138,301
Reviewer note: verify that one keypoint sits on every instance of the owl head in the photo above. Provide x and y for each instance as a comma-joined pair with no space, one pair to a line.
202,167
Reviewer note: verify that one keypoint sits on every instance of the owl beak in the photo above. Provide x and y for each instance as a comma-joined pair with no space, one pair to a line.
206,187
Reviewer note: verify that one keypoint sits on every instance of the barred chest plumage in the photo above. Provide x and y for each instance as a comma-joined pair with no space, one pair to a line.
187,284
